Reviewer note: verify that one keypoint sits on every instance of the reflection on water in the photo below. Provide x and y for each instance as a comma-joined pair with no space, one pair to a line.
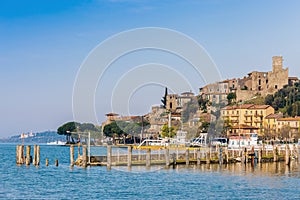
259,169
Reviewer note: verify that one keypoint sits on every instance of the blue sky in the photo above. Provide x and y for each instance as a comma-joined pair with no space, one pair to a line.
44,44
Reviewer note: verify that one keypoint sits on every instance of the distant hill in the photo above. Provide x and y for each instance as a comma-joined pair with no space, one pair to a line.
43,137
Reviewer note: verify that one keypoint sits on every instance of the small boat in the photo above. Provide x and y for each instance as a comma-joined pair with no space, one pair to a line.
56,143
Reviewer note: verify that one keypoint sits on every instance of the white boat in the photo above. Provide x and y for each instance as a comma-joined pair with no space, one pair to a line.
56,143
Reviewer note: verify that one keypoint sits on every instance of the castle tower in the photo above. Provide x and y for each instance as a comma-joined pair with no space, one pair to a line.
277,63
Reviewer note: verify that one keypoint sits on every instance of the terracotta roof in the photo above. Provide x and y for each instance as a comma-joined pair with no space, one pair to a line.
289,119
246,106
274,116
259,107
244,126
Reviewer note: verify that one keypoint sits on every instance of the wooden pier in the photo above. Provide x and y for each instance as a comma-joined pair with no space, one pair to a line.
170,156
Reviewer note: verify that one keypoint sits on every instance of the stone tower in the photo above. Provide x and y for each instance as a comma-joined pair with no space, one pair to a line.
277,63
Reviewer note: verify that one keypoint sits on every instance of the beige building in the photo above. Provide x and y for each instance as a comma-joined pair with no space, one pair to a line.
217,92
254,83
292,123
263,83
245,118
176,102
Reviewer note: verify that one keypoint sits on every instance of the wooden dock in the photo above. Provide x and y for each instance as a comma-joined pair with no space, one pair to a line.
170,156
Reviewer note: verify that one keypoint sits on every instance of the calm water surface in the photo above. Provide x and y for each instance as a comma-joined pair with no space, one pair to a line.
266,181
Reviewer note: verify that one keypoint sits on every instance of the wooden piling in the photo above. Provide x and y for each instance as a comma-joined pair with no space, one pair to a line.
19,156
72,155
129,158
38,156
187,156
22,154
34,155
245,155
78,150
226,155
28,155
148,157
84,157
167,157
47,161
259,155
198,157
220,156
174,160
109,161
208,156
287,155
275,153
56,162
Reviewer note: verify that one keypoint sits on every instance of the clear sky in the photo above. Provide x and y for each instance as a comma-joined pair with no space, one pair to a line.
43,43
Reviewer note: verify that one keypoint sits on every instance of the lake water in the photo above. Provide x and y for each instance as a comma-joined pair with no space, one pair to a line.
236,181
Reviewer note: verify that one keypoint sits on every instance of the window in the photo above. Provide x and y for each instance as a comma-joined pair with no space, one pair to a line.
246,112
259,82
276,86
171,105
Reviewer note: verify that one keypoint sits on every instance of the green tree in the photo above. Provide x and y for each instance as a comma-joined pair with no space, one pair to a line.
231,97
66,130
269,99
164,98
168,132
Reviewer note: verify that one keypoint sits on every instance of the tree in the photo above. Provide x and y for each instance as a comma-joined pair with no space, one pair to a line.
66,130
231,97
168,132
269,99
164,98
114,129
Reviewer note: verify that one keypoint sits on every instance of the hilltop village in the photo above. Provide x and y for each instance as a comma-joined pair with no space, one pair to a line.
265,103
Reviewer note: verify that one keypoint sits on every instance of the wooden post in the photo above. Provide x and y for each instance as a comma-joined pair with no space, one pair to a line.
47,161
208,156
287,155
220,155
28,155
252,156
259,154
109,161
56,162
245,155
37,156
226,155
72,155
198,157
174,160
22,154
84,156
275,153
148,157
78,150
139,154
34,155
167,157
187,156
129,158
19,156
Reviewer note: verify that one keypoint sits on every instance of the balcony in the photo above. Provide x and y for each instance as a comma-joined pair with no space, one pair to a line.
248,121
248,115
